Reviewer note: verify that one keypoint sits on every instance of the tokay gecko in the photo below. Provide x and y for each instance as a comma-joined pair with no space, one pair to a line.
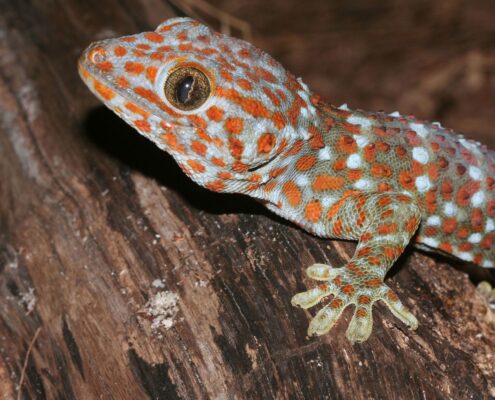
237,122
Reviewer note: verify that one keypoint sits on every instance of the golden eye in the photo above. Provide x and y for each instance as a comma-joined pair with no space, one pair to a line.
187,88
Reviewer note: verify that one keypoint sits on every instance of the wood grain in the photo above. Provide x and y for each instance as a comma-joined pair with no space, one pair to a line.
96,223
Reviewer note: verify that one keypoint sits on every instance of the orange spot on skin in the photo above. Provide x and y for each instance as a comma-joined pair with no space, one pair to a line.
266,143
278,120
215,113
346,144
266,75
273,98
171,141
153,98
354,269
134,67
136,109
381,171
363,252
234,125
400,151
215,186
392,296
244,84
430,231
339,165
154,37
305,163
277,171
348,289
351,128
463,232
364,299
386,229
143,46
105,66
128,39
412,224
477,220
447,247
373,260
384,201
225,175
295,149
292,193
391,253
449,225
196,166
236,147
218,162
142,125
406,180
313,211
327,182
198,147
361,312
373,283
316,138
354,174
104,91
151,73
122,82
120,51
336,303
370,152
157,56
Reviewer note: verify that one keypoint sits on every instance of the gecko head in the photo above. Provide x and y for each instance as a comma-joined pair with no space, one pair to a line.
221,107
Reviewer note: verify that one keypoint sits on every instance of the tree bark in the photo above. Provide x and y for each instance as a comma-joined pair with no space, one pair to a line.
122,279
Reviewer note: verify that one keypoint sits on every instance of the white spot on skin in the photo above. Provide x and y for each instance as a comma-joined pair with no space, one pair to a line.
423,183
420,154
449,209
324,154
395,114
430,242
475,173
487,264
434,220
354,161
302,180
363,184
344,107
357,120
436,123
361,140
464,255
304,86
420,129
478,199
328,201
474,238
490,225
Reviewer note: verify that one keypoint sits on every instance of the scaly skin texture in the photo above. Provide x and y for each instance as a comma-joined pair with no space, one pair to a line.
384,180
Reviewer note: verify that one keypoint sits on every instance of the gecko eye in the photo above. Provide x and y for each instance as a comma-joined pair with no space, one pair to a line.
187,88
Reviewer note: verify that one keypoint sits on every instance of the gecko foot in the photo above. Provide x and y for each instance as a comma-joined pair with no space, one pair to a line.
349,285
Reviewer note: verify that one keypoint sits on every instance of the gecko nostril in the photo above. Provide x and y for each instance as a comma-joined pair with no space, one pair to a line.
97,55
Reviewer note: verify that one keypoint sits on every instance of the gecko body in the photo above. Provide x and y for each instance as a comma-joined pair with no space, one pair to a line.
236,121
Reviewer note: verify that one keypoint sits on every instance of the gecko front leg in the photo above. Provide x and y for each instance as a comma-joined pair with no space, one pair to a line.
383,223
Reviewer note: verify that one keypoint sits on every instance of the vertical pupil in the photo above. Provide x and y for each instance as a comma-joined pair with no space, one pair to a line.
184,89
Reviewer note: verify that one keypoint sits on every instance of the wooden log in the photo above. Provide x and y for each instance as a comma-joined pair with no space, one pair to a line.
121,279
